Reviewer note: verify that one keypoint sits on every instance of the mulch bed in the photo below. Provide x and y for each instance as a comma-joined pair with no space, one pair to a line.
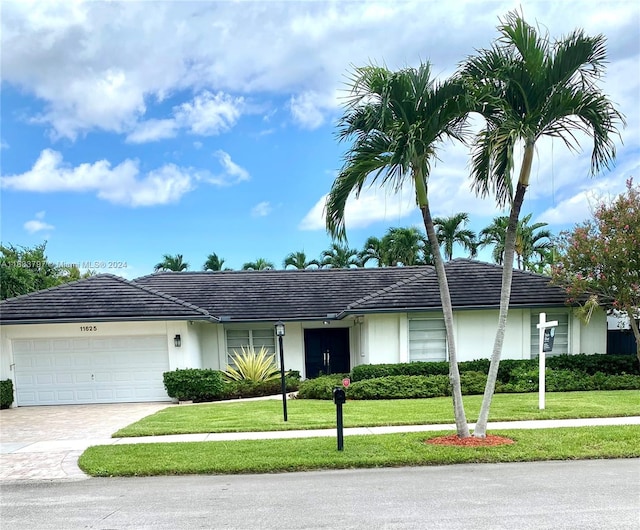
454,439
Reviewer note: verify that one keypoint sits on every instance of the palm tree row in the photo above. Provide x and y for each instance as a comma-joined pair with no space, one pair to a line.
406,246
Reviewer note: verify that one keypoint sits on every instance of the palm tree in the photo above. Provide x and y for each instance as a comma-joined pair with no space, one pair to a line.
213,263
374,249
529,242
495,234
171,263
405,246
260,264
527,87
339,256
450,230
298,260
396,121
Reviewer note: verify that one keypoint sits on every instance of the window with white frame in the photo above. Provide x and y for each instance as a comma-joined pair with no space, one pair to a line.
561,338
250,338
427,338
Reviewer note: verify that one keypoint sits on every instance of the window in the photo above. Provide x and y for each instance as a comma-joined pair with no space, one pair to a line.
561,339
427,339
256,338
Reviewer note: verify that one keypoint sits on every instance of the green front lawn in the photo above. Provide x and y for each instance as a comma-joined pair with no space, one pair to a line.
407,449
244,416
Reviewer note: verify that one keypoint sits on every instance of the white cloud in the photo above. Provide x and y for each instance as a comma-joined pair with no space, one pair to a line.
94,74
38,224
121,184
306,110
152,130
262,209
206,114
209,114
373,205
232,174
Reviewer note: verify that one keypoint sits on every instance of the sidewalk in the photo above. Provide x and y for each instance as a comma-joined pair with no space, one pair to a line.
57,459
81,445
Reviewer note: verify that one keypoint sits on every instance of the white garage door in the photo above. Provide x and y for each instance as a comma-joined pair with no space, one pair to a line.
90,370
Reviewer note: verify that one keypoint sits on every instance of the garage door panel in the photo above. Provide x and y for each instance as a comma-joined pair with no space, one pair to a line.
63,361
42,361
64,379
65,395
44,379
41,346
95,370
60,345
79,345
103,377
25,380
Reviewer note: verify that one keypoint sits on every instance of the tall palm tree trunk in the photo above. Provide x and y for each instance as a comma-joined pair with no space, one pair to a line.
462,426
480,430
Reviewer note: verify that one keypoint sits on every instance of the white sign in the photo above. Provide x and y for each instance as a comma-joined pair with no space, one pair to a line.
542,326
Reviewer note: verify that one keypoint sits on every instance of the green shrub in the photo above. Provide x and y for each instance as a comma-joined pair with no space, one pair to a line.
472,383
372,371
591,364
195,384
400,387
523,379
508,367
479,365
567,381
616,382
320,387
6,394
247,389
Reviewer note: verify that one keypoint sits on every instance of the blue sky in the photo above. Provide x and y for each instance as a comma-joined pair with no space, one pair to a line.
136,129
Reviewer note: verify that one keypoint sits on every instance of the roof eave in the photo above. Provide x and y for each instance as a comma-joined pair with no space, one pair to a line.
77,320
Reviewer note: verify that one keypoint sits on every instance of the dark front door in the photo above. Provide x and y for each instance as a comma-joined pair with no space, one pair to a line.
326,351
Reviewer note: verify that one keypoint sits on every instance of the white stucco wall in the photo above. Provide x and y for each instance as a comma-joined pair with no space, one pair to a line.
593,336
209,344
476,330
293,345
383,338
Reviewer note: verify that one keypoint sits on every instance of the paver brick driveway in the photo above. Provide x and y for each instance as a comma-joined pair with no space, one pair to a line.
44,443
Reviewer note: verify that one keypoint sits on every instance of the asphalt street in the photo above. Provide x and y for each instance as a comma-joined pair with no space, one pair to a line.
556,495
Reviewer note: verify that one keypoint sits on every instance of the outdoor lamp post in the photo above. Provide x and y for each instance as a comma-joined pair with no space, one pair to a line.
280,334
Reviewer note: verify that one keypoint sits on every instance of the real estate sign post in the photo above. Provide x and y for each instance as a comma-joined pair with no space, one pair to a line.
546,334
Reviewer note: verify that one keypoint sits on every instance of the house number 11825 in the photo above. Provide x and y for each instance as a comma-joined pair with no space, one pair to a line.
88,328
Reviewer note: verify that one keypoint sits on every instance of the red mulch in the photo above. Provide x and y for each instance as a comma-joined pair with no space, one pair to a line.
454,439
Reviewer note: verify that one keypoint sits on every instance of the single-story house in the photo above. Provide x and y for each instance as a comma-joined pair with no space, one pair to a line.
106,339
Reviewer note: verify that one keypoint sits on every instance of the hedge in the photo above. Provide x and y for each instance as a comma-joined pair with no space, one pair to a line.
321,387
194,384
6,394
522,379
590,364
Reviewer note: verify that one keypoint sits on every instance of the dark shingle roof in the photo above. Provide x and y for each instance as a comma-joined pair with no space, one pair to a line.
472,284
102,297
272,295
